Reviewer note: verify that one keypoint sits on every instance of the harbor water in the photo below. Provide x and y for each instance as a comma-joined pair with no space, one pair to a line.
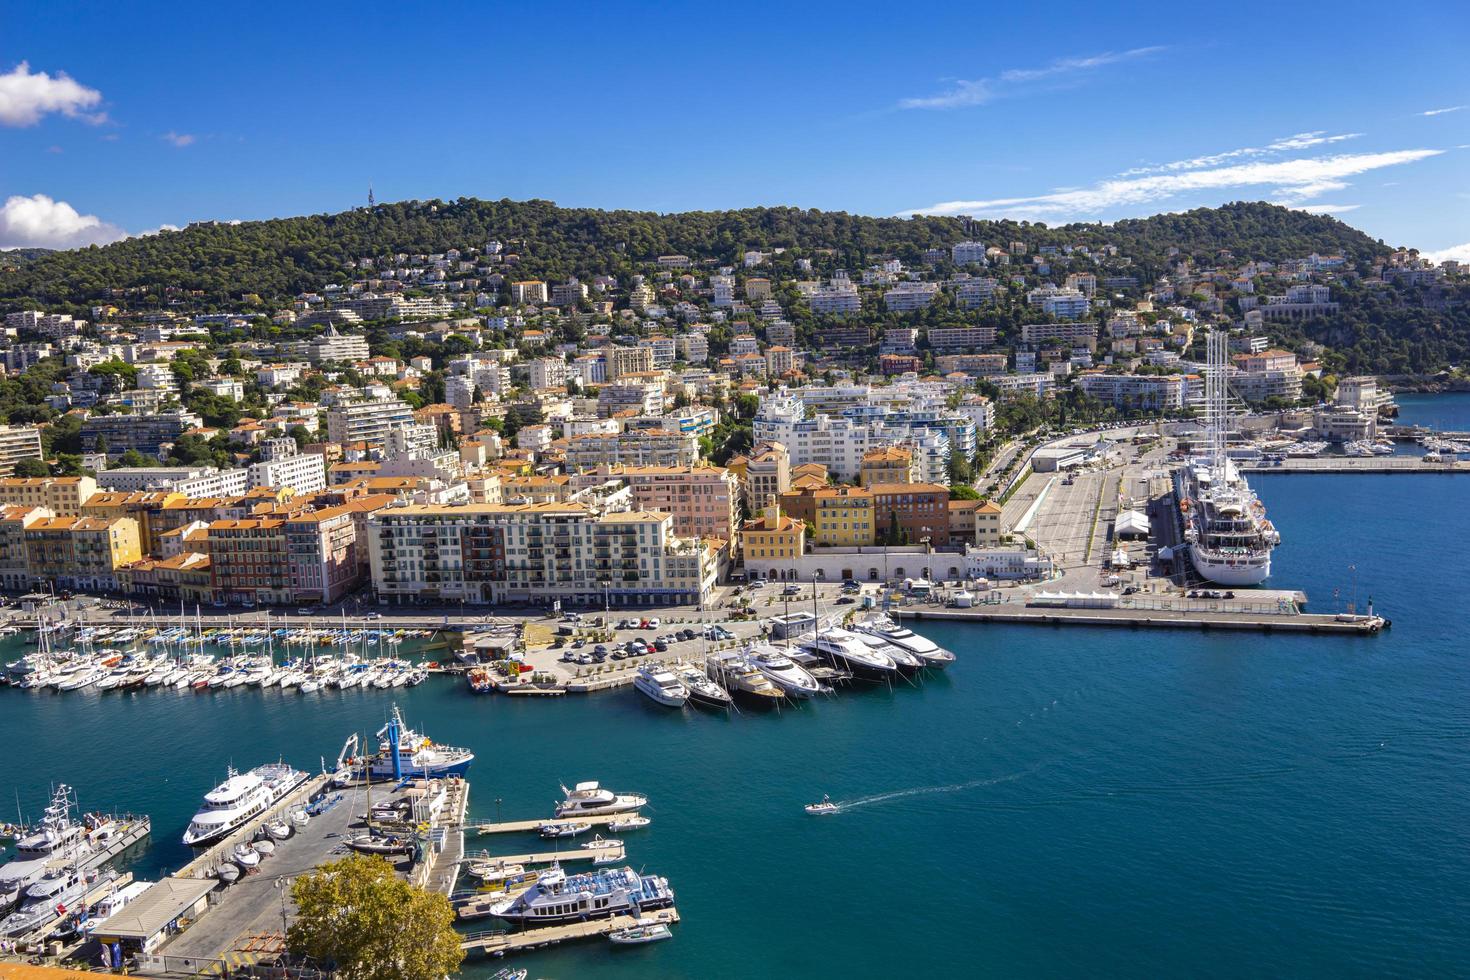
1065,801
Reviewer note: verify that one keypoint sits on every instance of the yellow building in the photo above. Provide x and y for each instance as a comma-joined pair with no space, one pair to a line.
844,517
62,495
81,552
145,507
773,535
888,464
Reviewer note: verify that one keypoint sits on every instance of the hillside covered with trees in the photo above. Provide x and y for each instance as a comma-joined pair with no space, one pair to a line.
211,265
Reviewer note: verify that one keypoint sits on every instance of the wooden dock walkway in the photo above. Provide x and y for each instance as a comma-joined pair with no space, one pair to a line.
498,943
531,826
607,853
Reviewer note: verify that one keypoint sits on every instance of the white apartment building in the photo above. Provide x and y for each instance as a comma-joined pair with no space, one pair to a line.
1071,334
1128,391
366,421
838,297
304,473
972,293
460,392
547,372
836,443
909,296
967,253
191,481
961,338
18,442
484,553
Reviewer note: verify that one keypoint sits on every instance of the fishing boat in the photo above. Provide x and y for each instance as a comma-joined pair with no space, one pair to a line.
404,752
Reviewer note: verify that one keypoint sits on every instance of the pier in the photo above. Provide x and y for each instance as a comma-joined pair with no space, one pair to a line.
499,943
606,853
531,826
1356,464
1205,616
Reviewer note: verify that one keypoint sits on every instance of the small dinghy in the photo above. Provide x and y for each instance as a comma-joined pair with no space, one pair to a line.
245,856
227,873
643,933
630,822
278,829
265,848
555,830
371,844
299,817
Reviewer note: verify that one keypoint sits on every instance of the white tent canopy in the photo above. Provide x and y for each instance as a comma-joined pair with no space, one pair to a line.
1131,522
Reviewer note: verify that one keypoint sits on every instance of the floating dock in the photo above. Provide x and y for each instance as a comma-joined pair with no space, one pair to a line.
531,826
499,943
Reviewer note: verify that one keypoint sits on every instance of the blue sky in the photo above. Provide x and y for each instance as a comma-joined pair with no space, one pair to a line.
121,118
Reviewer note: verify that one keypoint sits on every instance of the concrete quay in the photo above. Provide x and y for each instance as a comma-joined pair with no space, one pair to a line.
1174,617
1356,464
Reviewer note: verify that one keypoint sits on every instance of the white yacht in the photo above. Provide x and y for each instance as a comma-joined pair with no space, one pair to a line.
793,679
591,798
848,652
659,684
904,638
60,889
59,838
240,798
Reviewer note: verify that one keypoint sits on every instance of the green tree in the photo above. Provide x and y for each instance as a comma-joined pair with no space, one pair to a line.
32,467
963,491
360,918
134,458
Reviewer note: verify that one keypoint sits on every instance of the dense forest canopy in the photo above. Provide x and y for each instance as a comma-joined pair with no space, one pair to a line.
219,263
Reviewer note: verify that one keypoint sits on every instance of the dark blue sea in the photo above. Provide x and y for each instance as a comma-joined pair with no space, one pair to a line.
1064,802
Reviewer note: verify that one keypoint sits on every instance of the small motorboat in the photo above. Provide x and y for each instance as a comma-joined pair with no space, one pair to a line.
509,974
602,842
265,847
493,872
556,830
823,807
245,856
227,873
631,822
299,817
374,844
278,829
642,933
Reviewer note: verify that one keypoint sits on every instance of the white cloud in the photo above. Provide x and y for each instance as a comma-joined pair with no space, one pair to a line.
26,97
1294,181
1330,208
180,140
1459,253
1440,112
1301,141
155,231
974,92
39,221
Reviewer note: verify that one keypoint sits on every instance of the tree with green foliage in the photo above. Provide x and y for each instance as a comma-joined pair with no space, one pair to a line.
963,491
357,917
133,458
31,467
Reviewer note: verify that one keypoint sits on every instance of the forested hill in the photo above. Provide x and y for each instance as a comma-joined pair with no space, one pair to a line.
212,265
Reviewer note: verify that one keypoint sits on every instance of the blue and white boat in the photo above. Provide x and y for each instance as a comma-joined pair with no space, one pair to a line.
404,753
558,897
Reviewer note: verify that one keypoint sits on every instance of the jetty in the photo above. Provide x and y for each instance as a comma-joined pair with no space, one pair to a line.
531,826
501,942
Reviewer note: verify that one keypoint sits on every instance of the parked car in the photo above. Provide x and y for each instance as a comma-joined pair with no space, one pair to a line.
661,645
845,600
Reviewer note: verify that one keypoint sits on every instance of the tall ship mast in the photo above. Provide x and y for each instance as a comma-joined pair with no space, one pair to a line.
1225,525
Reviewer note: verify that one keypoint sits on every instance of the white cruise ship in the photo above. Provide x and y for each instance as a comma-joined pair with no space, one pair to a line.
239,799
1225,526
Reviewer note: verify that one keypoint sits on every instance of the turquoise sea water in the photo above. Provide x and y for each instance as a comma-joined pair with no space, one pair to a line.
1063,802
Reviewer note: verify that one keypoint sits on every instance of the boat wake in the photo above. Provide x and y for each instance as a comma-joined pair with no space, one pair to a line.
844,805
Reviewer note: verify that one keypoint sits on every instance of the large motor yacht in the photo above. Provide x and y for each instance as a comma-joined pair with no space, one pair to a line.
848,652
240,798
60,838
794,680
590,798
906,639
661,685
417,755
